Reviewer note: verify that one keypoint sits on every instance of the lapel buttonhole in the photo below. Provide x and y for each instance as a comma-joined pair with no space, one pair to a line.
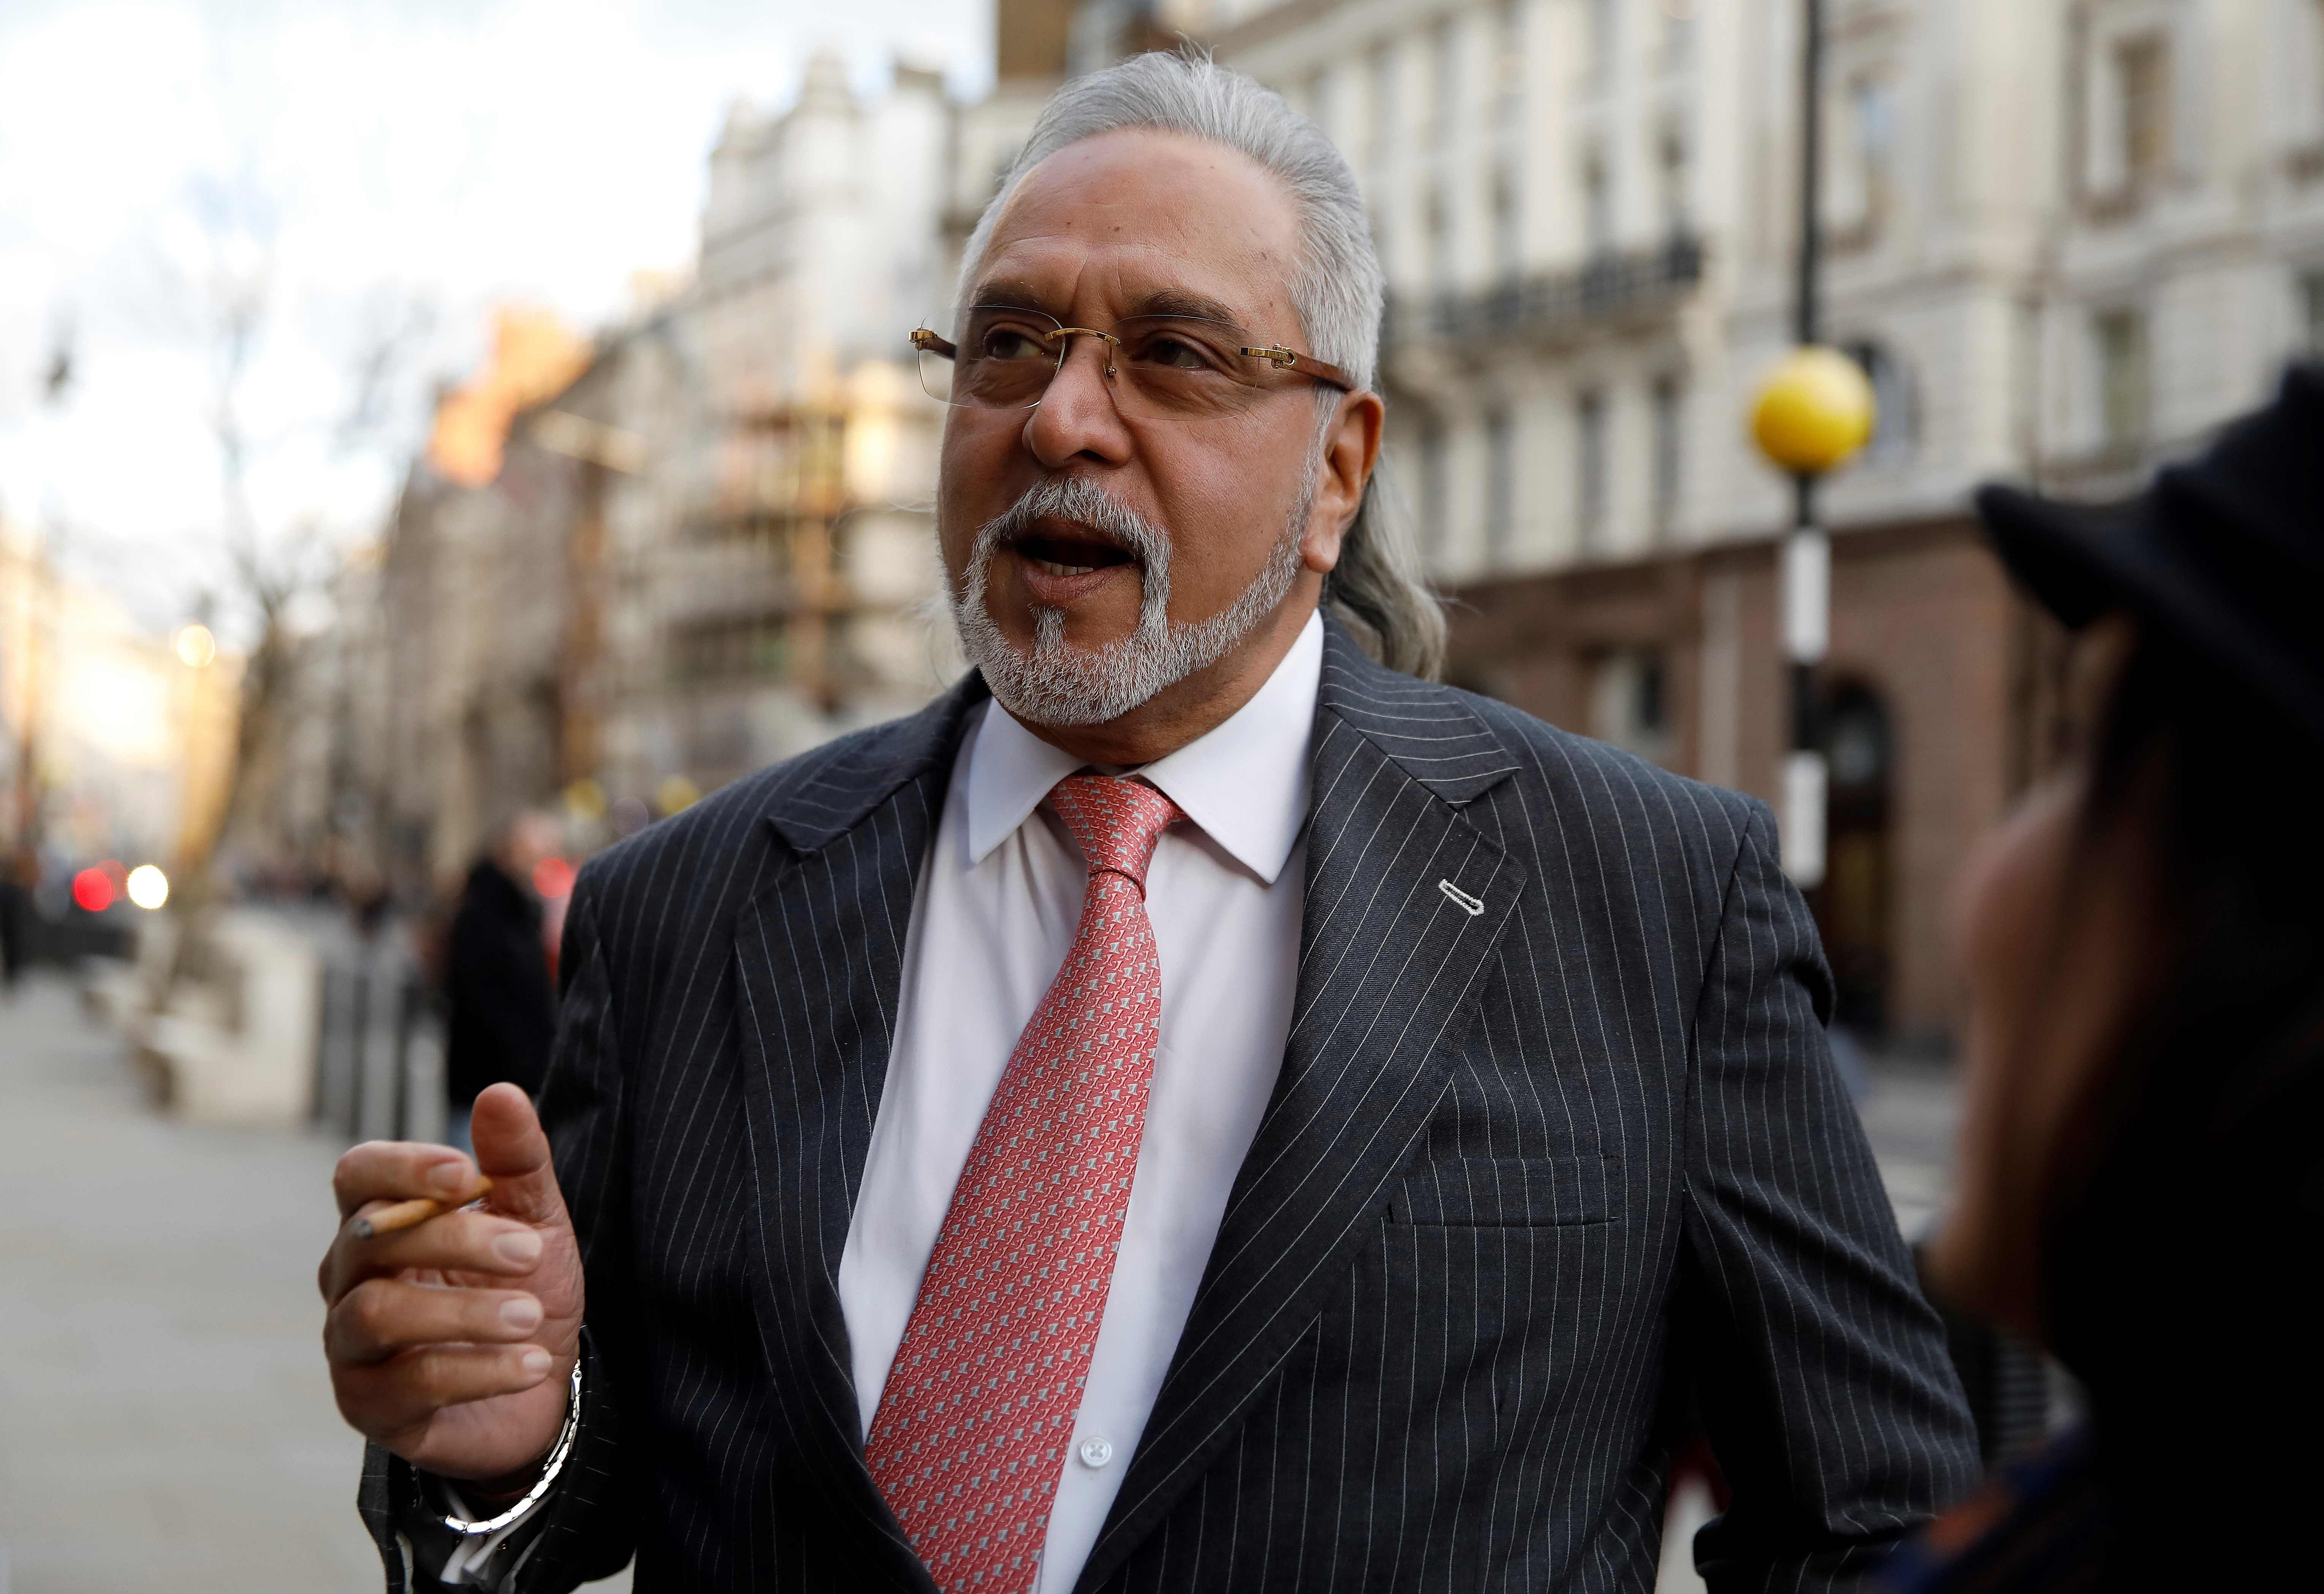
1471,905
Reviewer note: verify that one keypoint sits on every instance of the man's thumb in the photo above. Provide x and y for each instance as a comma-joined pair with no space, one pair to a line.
513,1150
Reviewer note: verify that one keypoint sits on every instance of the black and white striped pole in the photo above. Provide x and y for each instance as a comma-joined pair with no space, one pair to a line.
1807,618
1815,411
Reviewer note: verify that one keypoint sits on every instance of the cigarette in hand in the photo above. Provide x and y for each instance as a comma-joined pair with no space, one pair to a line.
404,1214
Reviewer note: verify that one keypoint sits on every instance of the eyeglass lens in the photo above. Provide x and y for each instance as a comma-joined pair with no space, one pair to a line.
1162,366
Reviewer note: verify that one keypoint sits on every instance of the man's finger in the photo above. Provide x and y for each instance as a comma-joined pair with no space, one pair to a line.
512,1148
458,1242
390,1396
400,1171
382,1316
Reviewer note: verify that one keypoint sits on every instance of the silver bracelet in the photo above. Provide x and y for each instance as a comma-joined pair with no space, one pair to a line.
556,1464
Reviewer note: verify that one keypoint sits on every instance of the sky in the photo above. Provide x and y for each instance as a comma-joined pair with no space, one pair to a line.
367,175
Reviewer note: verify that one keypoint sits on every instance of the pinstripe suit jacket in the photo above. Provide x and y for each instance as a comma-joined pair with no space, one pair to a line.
1536,1173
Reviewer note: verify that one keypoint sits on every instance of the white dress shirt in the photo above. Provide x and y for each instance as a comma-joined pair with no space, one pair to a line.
994,914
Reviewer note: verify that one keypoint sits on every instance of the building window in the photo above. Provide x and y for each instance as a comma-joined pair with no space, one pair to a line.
1669,452
2125,384
1597,208
1590,469
1629,702
1867,177
1604,18
1500,487
1675,222
1444,91
1383,113
1438,220
1436,487
1678,32
1510,65
1508,241
2142,68
756,649
2308,73
1893,429
2311,314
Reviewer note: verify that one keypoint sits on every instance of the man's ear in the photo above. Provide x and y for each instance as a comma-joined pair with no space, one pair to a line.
1352,448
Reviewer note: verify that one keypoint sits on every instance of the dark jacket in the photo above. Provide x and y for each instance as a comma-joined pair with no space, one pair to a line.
503,1013
1519,1153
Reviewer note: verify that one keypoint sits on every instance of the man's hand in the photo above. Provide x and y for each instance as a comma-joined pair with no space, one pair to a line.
452,1342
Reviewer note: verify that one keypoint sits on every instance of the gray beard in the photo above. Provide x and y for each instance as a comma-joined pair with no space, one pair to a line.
1055,683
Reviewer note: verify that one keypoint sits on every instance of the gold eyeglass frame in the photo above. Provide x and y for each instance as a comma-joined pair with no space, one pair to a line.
928,340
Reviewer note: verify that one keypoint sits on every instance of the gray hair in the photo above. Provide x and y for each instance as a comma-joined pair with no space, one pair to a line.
1338,289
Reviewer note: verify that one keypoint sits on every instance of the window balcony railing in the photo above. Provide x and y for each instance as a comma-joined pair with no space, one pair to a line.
1612,287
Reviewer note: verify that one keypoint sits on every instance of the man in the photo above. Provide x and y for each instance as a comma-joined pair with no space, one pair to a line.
503,1010
1340,1154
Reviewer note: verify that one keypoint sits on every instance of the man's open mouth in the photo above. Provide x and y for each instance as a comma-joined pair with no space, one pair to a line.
1067,549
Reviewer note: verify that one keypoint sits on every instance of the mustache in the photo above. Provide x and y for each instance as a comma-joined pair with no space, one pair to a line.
1085,504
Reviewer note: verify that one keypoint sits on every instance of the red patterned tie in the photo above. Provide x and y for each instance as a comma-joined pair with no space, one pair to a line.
980,1404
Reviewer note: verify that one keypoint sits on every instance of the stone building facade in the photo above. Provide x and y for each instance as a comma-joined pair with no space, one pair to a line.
708,549
2066,240
475,592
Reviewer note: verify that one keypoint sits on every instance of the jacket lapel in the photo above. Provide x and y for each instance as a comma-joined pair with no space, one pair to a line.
1405,902
820,959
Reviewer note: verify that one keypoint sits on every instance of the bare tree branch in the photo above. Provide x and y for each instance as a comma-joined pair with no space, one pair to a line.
397,325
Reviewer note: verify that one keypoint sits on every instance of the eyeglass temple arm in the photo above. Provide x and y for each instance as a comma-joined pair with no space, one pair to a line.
932,343
1306,365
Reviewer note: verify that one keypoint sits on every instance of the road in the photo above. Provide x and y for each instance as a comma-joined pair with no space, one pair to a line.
165,1423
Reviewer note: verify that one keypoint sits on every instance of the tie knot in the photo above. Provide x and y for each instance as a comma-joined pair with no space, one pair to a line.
1115,821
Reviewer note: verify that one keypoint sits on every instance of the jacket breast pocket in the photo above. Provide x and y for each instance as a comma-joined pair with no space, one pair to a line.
1507,1192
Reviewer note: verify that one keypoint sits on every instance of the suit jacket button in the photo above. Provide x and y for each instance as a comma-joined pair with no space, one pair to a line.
1097,1449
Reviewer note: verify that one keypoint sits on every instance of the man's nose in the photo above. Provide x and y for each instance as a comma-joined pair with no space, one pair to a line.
1076,415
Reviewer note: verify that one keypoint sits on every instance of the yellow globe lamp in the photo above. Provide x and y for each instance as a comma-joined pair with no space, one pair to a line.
1815,411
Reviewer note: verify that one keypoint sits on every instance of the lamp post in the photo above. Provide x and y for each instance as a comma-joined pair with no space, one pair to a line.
1815,411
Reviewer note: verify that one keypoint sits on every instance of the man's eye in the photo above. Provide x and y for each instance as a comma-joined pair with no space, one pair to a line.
1175,352
1005,343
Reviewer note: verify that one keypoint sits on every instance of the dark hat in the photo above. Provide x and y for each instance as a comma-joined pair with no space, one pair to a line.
2226,551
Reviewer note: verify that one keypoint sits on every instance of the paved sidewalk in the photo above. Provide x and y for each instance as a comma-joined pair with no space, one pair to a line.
165,1422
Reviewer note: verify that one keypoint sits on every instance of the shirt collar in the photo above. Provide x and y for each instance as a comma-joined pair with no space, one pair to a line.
1243,781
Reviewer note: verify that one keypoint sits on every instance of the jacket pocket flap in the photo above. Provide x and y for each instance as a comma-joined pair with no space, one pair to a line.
1515,1191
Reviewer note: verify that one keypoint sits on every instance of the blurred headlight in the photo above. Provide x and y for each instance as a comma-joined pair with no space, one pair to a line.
148,886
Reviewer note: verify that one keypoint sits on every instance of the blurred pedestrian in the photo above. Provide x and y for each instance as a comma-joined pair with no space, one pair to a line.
2141,1183
503,1009
19,871
363,890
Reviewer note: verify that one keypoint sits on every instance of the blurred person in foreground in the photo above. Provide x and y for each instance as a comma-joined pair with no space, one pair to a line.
2142,1172
496,981
1197,1106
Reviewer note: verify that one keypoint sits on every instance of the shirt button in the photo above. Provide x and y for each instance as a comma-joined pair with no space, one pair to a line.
1097,1449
